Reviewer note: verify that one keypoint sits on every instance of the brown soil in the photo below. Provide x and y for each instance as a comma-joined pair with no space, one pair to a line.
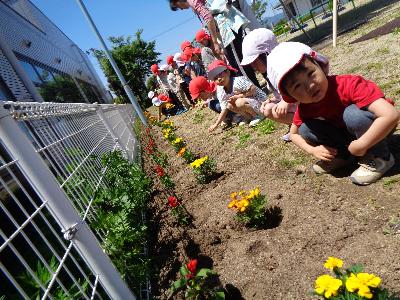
321,216
313,217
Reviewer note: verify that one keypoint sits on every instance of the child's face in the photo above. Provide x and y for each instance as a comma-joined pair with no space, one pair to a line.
204,95
309,85
204,42
223,78
259,65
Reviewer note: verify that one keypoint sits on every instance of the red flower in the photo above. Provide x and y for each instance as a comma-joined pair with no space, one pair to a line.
151,142
192,265
172,201
189,276
148,130
160,171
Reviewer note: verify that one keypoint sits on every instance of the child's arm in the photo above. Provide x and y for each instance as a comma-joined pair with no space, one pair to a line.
246,94
387,118
221,117
321,152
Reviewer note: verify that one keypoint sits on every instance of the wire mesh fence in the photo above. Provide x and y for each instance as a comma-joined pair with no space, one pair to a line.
50,169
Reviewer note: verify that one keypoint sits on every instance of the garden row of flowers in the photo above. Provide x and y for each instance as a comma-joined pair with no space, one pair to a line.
250,208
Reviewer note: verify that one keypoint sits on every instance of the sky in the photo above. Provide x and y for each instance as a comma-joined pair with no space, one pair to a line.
123,18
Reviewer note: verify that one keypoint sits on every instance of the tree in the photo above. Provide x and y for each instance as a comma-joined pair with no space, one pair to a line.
259,7
151,83
134,58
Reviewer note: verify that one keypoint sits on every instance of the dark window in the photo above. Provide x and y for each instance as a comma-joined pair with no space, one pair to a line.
5,94
90,91
292,9
30,70
53,86
316,2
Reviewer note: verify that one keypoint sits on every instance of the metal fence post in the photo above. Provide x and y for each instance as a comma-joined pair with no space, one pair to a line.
46,185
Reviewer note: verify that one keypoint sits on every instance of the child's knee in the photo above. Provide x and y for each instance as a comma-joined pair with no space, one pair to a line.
357,120
240,102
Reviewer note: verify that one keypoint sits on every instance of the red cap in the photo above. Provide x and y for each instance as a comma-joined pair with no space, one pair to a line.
217,67
201,84
154,69
185,45
164,98
202,35
187,54
170,59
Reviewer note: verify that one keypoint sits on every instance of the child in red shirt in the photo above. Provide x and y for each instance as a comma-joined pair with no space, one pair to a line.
338,117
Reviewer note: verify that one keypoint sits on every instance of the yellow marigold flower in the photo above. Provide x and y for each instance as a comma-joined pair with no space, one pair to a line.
369,279
327,285
182,151
177,141
234,195
232,204
242,209
361,284
198,162
241,193
253,193
245,202
364,291
333,262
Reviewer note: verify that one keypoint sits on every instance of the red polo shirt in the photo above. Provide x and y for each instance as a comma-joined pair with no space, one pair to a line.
343,90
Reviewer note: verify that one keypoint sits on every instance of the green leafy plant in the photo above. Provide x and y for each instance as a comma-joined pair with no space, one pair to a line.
165,179
122,205
204,169
349,284
250,207
160,158
178,211
178,144
34,290
266,126
196,283
198,117
187,155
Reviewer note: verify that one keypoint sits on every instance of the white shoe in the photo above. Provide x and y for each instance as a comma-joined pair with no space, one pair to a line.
255,121
371,169
242,123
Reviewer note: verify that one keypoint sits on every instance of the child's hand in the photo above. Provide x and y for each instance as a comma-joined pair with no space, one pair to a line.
212,127
324,152
357,148
233,98
281,108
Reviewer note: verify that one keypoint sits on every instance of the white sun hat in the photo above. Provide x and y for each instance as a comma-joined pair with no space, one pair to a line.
284,58
178,59
258,41
156,101
151,94
164,67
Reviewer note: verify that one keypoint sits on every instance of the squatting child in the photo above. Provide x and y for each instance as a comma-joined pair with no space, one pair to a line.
237,94
338,118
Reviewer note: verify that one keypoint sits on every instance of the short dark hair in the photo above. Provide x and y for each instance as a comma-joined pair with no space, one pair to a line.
300,67
172,4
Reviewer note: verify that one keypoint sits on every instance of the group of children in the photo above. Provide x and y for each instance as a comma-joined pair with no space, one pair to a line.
338,119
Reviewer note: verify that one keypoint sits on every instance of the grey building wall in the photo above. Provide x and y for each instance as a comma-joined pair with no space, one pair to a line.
35,39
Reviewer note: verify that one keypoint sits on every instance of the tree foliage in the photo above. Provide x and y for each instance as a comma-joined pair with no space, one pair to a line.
134,56
259,7
151,83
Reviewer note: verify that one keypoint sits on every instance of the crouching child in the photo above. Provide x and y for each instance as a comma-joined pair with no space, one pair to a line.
338,118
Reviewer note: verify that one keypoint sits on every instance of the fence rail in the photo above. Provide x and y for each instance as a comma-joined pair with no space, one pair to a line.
50,169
